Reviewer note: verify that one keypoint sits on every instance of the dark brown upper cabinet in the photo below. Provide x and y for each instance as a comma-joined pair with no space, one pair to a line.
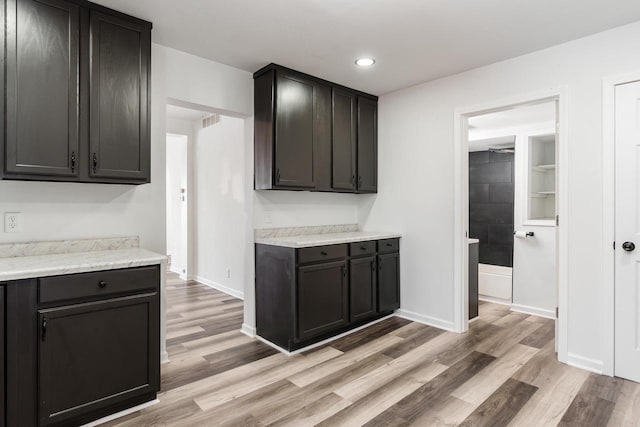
367,145
307,134
76,87
119,123
343,116
42,96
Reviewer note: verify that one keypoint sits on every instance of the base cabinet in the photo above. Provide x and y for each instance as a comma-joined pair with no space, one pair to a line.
306,295
83,346
389,281
322,298
364,290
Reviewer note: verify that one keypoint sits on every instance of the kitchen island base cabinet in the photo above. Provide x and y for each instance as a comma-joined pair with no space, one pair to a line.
306,295
84,350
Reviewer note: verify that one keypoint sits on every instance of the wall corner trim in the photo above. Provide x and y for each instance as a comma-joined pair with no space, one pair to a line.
249,331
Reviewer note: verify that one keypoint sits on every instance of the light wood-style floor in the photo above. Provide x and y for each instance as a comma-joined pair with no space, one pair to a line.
394,373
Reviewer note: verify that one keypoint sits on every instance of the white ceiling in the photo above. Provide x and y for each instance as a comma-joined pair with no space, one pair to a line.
412,40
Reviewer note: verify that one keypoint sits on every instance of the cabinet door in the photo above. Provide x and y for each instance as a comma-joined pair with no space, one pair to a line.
362,288
322,298
344,140
97,354
367,145
119,113
42,100
294,133
388,282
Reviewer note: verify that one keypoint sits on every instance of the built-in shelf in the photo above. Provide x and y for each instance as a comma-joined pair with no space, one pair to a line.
542,177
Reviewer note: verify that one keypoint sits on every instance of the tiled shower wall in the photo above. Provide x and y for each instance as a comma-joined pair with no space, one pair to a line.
491,190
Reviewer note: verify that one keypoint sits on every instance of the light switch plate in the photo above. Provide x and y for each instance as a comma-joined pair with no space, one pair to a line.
12,222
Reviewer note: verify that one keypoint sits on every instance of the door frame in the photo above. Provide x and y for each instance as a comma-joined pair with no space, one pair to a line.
609,211
461,203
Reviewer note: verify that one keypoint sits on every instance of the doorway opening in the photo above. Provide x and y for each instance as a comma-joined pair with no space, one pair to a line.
512,208
510,180
206,197
177,207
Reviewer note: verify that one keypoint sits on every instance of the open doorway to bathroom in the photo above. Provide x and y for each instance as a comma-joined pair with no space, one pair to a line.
512,206
510,188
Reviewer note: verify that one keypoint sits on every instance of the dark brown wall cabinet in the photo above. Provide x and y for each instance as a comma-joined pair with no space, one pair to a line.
82,346
76,86
311,134
310,294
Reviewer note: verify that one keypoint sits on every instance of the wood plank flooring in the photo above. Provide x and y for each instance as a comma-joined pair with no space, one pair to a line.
503,372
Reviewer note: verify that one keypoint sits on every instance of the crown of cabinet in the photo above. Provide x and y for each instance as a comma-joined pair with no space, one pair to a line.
313,135
78,110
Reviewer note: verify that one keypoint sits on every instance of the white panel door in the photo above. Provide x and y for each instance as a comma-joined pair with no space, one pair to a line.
627,234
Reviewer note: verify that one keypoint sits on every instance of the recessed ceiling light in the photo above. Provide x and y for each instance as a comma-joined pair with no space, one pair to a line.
365,62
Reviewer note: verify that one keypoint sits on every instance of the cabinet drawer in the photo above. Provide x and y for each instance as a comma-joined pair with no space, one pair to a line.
321,253
389,245
362,248
98,284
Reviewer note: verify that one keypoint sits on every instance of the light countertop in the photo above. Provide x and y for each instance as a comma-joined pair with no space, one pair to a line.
26,267
310,240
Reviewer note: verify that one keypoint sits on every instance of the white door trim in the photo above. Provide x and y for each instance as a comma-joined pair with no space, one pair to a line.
461,204
608,214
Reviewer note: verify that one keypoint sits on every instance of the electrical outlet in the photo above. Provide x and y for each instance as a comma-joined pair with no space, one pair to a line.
268,217
228,273
12,222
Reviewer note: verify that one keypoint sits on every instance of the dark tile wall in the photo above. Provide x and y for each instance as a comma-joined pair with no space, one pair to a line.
491,205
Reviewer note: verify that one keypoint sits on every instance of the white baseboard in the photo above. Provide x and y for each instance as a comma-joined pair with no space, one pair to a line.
227,290
121,414
494,300
164,357
592,365
535,311
248,330
323,342
427,320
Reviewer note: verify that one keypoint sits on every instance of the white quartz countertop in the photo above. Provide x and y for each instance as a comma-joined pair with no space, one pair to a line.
472,241
309,240
27,267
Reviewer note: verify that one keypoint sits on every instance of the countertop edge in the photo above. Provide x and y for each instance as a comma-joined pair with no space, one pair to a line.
333,240
145,258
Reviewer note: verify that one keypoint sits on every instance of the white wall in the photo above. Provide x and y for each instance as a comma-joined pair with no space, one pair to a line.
416,194
220,211
177,214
